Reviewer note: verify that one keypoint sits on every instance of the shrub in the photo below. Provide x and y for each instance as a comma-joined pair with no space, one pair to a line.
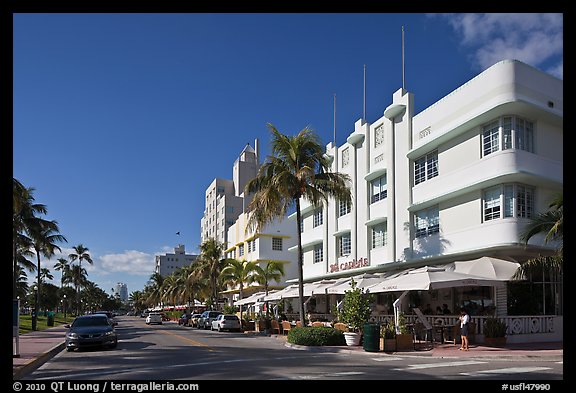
388,330
493,327
355,308
316,336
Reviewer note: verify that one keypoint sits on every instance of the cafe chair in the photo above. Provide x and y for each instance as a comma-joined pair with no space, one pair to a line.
286,327
275,326
341,326
317,323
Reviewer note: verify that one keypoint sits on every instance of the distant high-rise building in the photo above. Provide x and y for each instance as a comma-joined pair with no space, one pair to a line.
121,290
169,263
225,199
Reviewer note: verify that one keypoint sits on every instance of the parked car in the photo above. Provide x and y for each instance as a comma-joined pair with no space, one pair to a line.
226,322
91,331
110,316
184,319
154,317
194,320
205,320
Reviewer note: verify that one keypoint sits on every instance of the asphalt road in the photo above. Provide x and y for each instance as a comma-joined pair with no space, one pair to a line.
172,352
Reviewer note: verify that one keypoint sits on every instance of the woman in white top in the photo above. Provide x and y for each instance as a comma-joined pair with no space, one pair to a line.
464,320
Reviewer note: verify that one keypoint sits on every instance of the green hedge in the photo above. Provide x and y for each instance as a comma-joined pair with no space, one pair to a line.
316,336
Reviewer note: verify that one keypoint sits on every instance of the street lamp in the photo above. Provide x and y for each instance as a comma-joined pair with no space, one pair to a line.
64,303
35,309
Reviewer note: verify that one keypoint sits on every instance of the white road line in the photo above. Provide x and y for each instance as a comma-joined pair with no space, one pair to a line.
434,365
511,370
385,359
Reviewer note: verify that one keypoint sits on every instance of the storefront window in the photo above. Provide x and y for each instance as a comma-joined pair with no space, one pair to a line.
476,300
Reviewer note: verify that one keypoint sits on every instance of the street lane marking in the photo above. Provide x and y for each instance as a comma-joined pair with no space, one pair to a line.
511,370
434,365
193,342
386,359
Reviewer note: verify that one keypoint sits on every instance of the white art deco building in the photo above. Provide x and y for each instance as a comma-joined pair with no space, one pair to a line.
457,181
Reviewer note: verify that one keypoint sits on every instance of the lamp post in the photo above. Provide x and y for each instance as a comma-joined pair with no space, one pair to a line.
64,303
35,309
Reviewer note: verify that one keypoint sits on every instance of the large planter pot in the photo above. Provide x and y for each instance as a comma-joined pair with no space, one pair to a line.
352,338
389,344
404,342
495,341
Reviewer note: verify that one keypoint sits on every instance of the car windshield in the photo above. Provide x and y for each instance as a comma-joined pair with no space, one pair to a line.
81,322
230,318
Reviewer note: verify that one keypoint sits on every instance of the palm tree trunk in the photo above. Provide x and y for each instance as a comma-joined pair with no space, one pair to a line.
300,263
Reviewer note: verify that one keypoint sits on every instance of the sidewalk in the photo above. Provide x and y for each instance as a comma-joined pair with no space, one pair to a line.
38,347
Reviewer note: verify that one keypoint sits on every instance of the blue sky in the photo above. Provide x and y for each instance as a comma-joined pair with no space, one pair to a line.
121,121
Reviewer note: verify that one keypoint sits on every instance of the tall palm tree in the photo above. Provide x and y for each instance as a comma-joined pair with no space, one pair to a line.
210,263
24,221
45,275
80,253
551,225
21,283
237,273
62,264
153,292
297,169
78,276
44,239
271,271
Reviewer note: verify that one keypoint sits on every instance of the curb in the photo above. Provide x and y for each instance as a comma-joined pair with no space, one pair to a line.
22,371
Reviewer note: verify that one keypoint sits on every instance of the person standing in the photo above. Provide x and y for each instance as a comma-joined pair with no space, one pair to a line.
464,321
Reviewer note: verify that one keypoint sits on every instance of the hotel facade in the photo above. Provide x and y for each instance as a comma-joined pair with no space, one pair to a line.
457,181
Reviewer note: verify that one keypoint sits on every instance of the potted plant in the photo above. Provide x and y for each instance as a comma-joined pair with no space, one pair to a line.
388,336
355,313
404,338
495,332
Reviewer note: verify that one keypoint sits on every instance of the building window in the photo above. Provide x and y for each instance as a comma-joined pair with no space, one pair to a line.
427,222
343,208
378,189
508,200
379,235
277,243
344,245
318,253
241,250
379,135
426,167
508,132
301,225
345,157
249,247
318,217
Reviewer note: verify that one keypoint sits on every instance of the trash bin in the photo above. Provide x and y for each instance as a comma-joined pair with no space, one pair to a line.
50,319
371,337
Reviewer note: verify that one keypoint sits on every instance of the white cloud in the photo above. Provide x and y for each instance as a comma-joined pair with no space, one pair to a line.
129,262
535,39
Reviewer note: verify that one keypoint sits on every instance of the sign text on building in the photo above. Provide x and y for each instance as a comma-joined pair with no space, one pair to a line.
353,264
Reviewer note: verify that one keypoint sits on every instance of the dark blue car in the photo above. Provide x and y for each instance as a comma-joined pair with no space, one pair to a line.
91,331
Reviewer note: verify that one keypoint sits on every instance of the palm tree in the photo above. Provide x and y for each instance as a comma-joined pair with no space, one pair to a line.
153,292
24,221
551,225
78,276
237,273
63,265
297,169
81,253
45,275
21,282
210,263
44,241
272,271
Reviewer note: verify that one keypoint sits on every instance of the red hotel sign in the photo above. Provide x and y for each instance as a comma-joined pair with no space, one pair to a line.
353,264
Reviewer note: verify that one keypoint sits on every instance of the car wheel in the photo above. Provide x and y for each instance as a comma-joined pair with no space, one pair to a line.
219,328
113,346
69,349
